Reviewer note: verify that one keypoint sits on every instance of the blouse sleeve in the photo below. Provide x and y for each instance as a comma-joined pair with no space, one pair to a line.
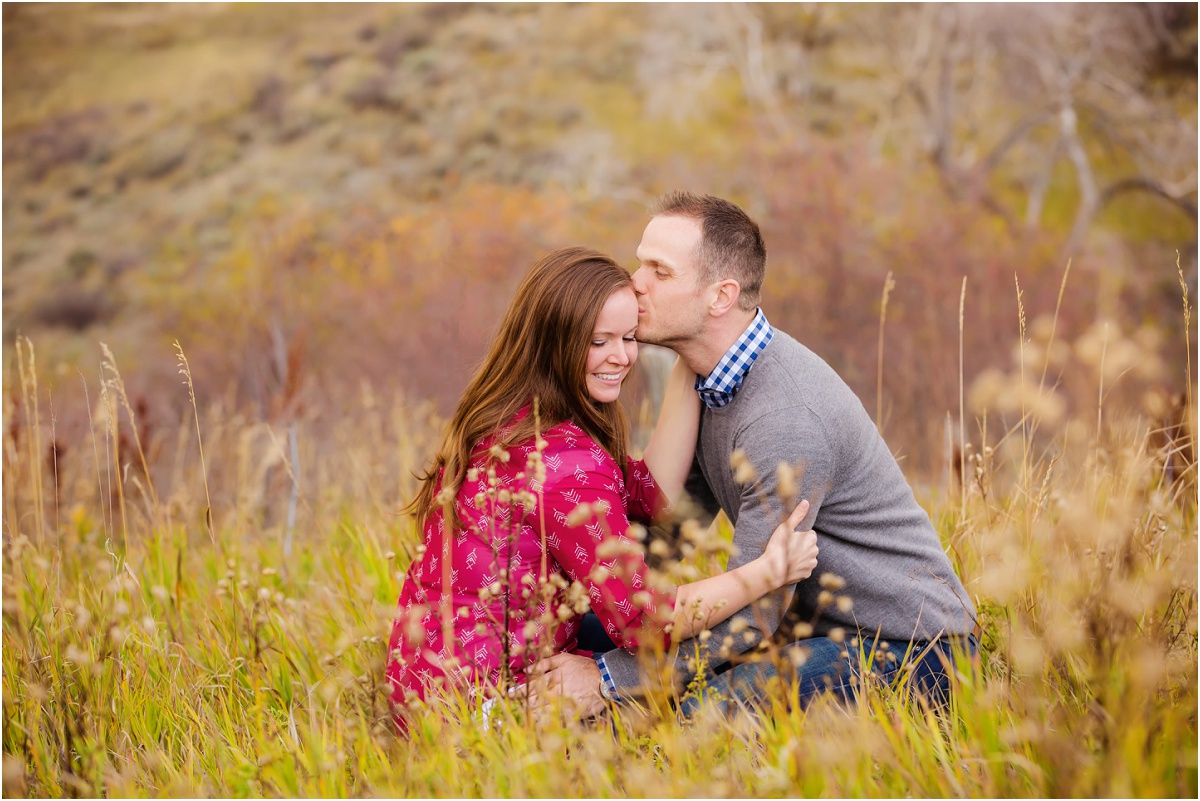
644,501
593,545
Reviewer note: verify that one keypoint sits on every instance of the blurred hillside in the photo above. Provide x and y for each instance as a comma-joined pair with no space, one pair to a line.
317,199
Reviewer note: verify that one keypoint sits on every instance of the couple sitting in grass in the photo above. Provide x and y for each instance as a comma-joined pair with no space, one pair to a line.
531,574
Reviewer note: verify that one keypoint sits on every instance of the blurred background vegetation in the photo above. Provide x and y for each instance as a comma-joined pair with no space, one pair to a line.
322,201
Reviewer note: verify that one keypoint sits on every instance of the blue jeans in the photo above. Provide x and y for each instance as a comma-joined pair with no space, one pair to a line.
837,669
825,669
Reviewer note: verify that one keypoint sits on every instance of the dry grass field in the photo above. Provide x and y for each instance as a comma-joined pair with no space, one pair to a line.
177,637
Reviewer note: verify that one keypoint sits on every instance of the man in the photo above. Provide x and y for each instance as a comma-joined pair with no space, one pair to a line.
888,591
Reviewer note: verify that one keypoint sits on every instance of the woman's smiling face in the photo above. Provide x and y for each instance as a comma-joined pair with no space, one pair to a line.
613,349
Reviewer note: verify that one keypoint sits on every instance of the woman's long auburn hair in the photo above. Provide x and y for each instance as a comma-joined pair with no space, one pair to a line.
539,353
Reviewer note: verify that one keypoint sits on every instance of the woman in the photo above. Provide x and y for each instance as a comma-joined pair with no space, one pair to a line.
526,507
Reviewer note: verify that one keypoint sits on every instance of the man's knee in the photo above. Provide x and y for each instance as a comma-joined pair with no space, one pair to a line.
844,668
806,669
818,666
930,673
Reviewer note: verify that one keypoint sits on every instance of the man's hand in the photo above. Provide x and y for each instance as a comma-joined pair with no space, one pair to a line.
572,678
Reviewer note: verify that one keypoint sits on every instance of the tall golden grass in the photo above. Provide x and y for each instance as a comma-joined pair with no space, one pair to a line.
157,641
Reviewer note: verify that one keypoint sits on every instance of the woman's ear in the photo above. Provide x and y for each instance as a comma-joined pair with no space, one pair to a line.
726,297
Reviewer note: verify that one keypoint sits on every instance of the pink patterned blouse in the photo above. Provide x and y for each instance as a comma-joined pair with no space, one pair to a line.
570,520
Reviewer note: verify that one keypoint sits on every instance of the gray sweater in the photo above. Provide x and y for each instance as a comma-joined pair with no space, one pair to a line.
871,532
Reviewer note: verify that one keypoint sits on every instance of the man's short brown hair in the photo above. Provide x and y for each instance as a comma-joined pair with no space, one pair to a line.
731,245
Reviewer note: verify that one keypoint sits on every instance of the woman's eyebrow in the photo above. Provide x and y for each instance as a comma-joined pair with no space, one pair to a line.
604,332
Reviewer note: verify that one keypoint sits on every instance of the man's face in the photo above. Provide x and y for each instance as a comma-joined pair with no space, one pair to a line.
671,304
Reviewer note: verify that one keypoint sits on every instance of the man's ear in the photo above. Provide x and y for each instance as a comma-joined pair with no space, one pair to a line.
726,298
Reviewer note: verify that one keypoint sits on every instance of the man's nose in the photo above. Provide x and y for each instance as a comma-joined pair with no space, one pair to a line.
636,278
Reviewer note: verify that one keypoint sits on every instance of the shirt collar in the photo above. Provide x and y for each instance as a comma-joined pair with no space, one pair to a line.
719,387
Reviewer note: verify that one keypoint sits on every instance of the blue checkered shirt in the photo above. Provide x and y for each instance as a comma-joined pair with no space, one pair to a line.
725,380
610,686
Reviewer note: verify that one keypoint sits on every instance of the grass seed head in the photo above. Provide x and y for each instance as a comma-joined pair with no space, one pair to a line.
799,656
77,655
579,515
15,782
743,470
785,476
830,581
82,617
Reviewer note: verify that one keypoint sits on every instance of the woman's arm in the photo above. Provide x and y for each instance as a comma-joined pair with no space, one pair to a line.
790,556
673,443
587,533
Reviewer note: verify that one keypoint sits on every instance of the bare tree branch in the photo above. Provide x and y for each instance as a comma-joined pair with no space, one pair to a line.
1140,184
1015,135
